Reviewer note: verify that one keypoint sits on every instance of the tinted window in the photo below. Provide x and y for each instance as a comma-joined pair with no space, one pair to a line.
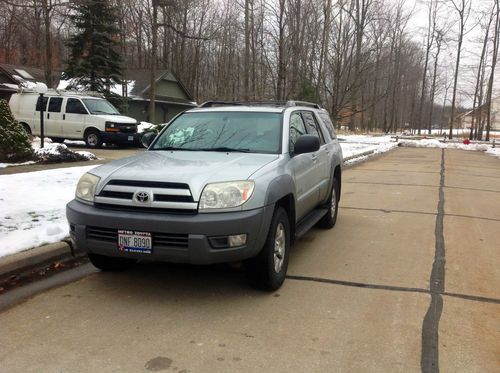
39,104
55,104
328,124
297,128
75,106
254,132
312,125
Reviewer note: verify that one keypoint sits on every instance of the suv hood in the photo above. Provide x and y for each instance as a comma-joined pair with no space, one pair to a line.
191,167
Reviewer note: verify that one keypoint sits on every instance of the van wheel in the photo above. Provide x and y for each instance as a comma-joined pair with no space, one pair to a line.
328,221
111,264
57,139
27,129
267,270
93,139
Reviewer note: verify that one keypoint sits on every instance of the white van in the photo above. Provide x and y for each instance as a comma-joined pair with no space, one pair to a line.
74,116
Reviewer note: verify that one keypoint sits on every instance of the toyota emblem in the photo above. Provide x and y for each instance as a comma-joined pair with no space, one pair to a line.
142,196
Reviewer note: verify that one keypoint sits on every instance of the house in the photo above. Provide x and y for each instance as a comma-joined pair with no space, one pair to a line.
12,76
132,97
466,119
171,96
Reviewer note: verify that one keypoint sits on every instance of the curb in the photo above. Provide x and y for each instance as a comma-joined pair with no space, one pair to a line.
36,257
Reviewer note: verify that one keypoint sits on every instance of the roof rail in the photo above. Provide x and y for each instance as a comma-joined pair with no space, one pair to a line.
302,103
260,103
219,103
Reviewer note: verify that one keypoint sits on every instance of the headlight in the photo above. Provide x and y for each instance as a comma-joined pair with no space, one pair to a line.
86,187
226,195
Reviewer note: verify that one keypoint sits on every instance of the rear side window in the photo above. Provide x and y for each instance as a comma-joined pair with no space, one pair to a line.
55,104
312,125
328,124
75,106
40,103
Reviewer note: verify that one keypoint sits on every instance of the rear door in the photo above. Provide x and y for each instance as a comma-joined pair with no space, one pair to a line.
74,117
54,117
304,168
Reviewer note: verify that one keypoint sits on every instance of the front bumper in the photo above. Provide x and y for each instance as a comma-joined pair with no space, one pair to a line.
120,137
196,228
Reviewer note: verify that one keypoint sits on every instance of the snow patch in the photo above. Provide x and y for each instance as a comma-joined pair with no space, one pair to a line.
33,207
144,126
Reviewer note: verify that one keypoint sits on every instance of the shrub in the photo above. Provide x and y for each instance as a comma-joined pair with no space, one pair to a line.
14,141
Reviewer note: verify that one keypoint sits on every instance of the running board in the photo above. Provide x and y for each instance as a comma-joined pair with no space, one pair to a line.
309,221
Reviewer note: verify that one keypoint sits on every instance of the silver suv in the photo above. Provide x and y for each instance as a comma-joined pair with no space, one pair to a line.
224,182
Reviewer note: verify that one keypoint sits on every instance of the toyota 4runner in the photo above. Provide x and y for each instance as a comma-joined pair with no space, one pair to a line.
224,182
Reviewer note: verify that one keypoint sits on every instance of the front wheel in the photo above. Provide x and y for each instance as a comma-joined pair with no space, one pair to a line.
328,221
267,270
110,263
93,139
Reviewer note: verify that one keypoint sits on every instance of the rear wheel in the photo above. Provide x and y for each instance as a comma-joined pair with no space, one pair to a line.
110,263
328,221
93,139
27,129
267,270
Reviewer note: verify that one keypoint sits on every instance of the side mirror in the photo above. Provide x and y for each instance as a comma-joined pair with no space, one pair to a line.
147,139
306,144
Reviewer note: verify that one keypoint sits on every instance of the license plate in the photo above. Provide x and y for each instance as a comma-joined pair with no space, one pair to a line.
135,242
131,138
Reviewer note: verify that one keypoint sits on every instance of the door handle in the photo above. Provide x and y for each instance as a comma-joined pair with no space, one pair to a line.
48,115
64,116
314,157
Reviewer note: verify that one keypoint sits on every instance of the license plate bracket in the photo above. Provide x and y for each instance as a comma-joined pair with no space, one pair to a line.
135,242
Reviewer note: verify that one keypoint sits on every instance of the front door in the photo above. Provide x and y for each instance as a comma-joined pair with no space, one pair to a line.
305,170
74,119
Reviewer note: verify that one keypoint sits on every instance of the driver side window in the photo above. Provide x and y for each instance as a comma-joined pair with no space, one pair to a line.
297,128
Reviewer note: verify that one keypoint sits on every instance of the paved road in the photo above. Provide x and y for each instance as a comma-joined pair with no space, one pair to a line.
104,155
407,281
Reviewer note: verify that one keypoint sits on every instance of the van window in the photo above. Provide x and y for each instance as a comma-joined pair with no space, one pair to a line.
55,104
75,106
39,104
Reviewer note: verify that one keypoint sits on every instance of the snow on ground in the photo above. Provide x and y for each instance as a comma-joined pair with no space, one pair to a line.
143,126
357,148
32,207
4,165
435,143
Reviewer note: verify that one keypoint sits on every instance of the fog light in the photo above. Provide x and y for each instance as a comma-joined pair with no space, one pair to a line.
237,240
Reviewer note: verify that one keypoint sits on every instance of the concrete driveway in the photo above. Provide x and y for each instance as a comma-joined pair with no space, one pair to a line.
407,281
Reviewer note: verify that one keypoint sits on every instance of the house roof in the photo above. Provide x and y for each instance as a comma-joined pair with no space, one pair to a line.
141,79
17,74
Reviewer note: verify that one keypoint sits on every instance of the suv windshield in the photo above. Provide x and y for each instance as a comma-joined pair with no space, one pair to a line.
253,132
99,106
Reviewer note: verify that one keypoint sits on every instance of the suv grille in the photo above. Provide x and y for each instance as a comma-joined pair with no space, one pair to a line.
159,239
146,196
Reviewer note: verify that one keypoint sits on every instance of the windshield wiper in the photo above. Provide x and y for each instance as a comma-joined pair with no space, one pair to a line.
174,148
225,149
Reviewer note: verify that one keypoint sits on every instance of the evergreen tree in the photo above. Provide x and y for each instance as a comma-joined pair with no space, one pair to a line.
95,61
14,141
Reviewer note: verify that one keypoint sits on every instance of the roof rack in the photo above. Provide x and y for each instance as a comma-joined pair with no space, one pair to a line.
63,92
286,104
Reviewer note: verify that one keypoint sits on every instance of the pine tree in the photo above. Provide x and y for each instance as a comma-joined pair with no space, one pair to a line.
95,61
14,141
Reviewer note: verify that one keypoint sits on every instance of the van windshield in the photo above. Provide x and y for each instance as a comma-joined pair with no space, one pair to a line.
249,132
98,106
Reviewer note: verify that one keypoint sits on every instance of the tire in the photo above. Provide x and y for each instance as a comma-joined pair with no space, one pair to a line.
111,264
267,270
93,139
328,221
57,139
27,129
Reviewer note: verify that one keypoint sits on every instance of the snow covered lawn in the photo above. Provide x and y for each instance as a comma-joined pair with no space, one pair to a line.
357,148
32,207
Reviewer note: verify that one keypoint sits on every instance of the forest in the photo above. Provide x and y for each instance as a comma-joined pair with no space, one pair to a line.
375,65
